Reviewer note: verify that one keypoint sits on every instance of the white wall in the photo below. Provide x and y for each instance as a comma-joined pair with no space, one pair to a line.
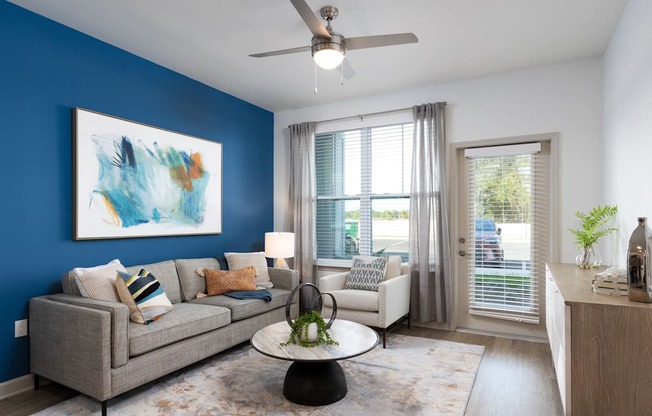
564,98
628,121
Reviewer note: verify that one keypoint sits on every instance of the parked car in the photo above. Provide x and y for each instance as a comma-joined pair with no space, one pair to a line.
488,242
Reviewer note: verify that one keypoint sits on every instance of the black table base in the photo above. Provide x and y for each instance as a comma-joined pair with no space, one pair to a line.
314,383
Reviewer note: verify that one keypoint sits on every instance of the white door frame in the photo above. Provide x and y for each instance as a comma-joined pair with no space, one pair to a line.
453,186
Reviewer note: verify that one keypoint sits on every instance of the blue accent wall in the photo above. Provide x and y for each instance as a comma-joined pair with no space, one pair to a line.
46,69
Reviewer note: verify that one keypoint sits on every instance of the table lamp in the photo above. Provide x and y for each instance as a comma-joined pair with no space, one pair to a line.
279,246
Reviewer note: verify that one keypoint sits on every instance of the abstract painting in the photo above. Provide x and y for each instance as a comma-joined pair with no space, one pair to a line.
135,180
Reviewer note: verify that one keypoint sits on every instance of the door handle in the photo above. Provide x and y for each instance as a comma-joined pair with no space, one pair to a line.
462,253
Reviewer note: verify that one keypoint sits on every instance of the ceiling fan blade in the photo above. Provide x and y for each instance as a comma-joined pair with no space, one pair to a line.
313,22
347,70
362,42
281,52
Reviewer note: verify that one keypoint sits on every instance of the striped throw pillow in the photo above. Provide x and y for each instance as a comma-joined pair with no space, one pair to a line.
144,296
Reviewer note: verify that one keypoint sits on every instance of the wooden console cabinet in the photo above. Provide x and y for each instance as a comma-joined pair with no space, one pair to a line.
601,346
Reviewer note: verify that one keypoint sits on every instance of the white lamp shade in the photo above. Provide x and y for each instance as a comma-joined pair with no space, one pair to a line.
328,58
279,245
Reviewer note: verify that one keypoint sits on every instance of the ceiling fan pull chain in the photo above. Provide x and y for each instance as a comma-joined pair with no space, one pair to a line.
315,78
342,72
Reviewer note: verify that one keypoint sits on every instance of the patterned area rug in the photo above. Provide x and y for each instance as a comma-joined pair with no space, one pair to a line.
414,376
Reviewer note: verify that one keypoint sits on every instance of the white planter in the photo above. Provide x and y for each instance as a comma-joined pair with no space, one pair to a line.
313,336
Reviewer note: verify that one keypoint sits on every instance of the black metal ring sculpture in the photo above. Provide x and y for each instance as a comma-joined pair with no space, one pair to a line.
288,318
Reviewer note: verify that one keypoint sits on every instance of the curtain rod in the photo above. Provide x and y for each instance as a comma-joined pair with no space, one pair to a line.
362,116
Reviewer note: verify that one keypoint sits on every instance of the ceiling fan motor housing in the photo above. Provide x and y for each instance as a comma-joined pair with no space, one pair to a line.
336,42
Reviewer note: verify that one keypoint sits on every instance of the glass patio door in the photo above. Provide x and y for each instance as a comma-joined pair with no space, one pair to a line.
502,246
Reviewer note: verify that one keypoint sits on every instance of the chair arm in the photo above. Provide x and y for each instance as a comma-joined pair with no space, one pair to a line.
73,341
335,281
284,278
394,299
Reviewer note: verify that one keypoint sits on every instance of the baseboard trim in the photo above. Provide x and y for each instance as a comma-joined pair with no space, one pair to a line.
503,335
18,385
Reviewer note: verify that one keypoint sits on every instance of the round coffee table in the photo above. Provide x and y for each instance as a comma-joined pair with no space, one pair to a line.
315,378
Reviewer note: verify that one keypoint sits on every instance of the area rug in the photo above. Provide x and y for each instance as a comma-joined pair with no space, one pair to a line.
415,376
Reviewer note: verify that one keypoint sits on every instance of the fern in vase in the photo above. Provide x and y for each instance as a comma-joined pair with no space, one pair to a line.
593,226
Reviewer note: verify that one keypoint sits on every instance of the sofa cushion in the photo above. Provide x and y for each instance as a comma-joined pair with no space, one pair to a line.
144,296
219,282
256,259
242,309
362,300
191,282
184,321
166,274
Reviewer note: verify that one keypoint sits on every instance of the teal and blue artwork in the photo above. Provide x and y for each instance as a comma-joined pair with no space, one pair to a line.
135,180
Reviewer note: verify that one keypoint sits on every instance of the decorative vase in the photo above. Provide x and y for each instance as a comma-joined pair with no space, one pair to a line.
639,261
587,259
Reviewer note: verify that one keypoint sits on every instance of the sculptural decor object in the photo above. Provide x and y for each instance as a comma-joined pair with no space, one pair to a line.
639,261
309,329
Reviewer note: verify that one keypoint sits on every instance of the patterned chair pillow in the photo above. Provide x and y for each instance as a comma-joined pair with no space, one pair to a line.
366,274
219,282
144,296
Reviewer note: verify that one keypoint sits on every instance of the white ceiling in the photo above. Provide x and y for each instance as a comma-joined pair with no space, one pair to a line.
210,40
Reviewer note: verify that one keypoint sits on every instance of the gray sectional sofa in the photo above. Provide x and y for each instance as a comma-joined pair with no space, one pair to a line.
92,346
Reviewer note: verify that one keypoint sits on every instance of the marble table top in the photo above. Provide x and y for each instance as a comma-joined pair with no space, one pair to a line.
354,339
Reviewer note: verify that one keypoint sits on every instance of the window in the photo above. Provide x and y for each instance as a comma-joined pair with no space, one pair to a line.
363,192
508,219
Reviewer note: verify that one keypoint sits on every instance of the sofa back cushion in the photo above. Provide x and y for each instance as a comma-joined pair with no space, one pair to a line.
191,282
166,273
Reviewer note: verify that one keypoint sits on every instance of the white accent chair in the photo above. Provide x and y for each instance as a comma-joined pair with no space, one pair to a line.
381,310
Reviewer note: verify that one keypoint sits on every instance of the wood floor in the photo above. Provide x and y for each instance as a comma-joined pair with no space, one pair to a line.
515,378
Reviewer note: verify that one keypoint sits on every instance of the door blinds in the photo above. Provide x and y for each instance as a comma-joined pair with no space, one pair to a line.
509,188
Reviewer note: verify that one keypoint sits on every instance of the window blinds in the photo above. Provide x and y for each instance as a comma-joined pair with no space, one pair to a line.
361,175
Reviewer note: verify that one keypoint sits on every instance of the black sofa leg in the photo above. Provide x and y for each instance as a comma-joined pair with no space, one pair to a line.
384,337
103,403
37,382
408,316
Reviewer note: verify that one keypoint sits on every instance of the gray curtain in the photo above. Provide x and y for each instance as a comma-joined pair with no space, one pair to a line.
301,206
430,298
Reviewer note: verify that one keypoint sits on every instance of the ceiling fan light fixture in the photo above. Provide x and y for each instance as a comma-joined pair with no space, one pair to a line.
328,58
328,53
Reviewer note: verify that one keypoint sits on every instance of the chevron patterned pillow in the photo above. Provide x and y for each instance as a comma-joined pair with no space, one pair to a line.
367,275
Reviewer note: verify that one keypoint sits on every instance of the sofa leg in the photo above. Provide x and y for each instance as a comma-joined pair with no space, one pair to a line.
37,382
103,404
384,337
408,316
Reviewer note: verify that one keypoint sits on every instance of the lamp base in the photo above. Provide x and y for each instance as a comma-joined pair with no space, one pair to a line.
280,263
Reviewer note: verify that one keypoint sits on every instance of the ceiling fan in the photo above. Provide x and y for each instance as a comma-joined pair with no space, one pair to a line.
328,47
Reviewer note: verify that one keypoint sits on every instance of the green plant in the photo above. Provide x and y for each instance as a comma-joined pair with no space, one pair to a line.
592,225
299,331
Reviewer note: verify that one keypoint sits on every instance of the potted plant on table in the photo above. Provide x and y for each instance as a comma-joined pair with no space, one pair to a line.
592,226
309,330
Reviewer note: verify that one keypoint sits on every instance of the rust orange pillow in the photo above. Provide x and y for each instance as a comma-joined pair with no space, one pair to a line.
219,282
